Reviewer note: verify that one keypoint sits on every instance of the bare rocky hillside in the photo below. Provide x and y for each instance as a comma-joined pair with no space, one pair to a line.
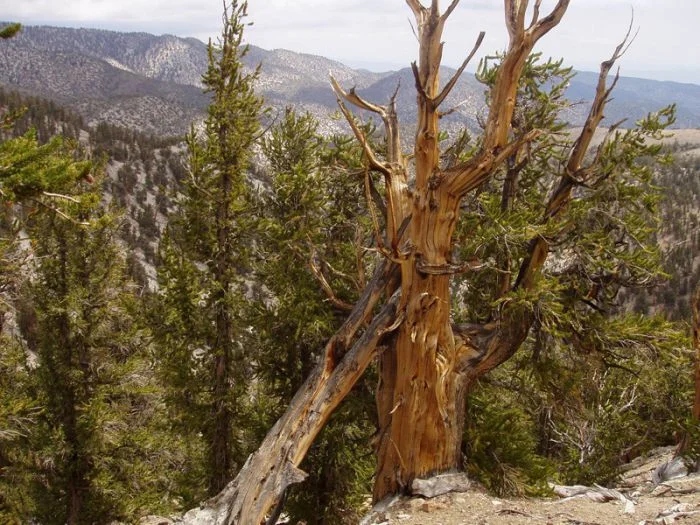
642,496
649,493
152,83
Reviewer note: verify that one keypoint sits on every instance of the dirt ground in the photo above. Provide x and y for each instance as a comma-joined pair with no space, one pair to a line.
642,503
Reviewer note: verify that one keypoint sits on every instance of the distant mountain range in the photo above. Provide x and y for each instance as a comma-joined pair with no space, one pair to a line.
152,83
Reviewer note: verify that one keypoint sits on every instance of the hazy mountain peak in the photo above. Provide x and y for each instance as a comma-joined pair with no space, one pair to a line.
154,82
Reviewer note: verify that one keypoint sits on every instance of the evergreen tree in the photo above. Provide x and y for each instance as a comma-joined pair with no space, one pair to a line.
34,172
95,447
32,175
204,254
10,30
309,261
477,268
19,411
80,419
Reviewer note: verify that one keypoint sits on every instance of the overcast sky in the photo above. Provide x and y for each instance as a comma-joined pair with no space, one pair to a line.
376,34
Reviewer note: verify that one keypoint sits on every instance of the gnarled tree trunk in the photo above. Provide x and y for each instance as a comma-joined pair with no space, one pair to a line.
427,366
424,375
268,472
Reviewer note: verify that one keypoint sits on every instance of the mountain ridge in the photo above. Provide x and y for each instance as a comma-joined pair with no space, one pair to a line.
153,83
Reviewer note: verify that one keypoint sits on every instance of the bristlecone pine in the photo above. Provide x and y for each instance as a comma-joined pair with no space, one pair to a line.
427,366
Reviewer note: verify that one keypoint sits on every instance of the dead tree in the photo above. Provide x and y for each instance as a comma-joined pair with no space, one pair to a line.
427,366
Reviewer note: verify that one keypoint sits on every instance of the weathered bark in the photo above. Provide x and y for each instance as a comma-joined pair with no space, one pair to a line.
274,466
427,367
423,378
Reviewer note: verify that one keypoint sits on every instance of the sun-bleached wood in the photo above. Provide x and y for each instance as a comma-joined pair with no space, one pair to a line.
426,366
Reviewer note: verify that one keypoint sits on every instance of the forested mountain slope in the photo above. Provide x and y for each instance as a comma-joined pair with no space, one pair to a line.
112,359
153,83
143,171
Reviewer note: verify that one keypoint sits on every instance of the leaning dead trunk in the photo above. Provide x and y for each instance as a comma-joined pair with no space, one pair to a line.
427,366
274,466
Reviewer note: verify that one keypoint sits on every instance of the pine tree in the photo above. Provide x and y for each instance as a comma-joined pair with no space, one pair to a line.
80,421
204,255
34,172
19,411
10,30
97,438
561,267
32,176
309,261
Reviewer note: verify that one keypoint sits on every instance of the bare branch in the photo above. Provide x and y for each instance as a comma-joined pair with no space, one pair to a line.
392,100
448,87
416,7
536,12
394,155
61,196
515,17
352,97
377,197
470,175
601,98
372,212
449,10
362,139
59,212
442,114
399,234
316,270
413,29
381,246
504,92
355,99
550,21
627,41
419,84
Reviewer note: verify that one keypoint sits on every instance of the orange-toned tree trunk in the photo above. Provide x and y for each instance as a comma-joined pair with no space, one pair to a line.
426,371
419,410
417,399
426,365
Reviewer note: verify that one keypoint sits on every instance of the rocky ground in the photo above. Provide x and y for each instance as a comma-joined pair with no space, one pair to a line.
636,500
653,490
